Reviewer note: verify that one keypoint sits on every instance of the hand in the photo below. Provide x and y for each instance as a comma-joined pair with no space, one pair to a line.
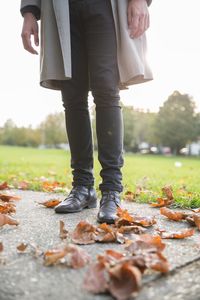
138,17
30,27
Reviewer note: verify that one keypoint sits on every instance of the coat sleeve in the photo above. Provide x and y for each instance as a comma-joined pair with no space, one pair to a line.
33,6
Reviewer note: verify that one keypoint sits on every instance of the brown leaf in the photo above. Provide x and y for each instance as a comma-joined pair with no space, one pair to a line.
50,203
196,218
8,197
7,208
144,221
124,218
108,234
146,242
125,281
196,210
4,186
63,232
157,262
96,279
167,191
132,228
51,186
70,255
178,234
84,233
4,219
172,215
129,196
1,246
22,247
23,185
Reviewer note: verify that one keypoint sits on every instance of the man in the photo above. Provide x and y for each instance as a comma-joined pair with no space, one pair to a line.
96,45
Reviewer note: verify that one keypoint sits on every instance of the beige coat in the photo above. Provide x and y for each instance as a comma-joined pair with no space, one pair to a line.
55,55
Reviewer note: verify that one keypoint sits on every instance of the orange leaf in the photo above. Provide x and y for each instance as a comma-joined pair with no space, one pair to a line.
172,215
196,218
129,196
161,202
108,234
4,219
167,191
50,203
7,208
84,233
178,234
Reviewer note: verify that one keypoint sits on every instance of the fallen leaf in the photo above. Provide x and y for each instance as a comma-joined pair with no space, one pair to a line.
196,219
161,202
129,196
124,218
4,219
146,242
178,234
22,247
144,221
7,208
23,185
108,234
96,279
131,229
172,215
125,281
196,210
63,232
50,203
4,186
8,197
69,255
1,247
51,186
84,233
167,191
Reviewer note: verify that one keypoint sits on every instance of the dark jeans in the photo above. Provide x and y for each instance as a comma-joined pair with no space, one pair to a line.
94,67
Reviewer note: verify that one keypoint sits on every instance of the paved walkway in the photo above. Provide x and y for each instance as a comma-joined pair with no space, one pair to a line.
25,278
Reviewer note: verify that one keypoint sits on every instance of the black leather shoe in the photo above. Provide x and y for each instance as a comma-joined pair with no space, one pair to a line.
79,198
109,203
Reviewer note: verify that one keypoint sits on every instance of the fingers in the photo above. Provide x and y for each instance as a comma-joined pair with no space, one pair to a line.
26,39
138,18
36,39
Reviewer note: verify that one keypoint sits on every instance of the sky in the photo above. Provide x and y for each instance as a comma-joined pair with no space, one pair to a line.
173,54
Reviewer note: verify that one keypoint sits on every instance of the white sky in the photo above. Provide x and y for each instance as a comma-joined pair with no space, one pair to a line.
174,55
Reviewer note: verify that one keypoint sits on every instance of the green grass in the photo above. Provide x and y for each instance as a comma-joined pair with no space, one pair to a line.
17,164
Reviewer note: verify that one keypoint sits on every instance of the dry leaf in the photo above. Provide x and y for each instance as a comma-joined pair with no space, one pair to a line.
4,186
84,233
50,203
131,229
161,202
4,219
125,281
96,279
8,197
23,185
129,196
196,210
22,247
1,247
196,219
144,221
108,234
178,234
69,255
7,208
172,215
63,232
167,191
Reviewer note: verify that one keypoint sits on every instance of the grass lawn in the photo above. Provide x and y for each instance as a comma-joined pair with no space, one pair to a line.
150,172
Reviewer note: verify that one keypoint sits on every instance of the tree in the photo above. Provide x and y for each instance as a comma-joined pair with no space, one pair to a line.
176,121
53,129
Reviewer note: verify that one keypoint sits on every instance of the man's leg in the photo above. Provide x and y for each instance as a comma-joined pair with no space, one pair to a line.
104,80
78,126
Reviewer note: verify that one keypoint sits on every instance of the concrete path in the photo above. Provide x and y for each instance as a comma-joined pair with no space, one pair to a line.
25,278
